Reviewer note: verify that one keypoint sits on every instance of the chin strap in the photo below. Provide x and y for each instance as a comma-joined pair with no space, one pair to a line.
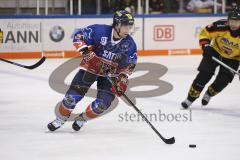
117,31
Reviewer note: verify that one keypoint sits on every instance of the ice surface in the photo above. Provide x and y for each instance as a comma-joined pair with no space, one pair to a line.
27,106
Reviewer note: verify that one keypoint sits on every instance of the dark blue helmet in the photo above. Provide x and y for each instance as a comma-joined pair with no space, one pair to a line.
123,17
234,13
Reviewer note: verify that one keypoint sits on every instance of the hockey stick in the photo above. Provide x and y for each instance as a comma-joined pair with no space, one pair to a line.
23,66
167,141
226,66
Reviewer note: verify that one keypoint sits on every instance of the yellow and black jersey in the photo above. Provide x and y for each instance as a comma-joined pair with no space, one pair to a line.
222,39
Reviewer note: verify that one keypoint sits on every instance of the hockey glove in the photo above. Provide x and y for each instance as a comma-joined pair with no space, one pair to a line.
82,47
84,50
120,84
208,51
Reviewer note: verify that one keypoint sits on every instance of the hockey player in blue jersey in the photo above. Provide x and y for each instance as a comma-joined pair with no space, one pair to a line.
107,51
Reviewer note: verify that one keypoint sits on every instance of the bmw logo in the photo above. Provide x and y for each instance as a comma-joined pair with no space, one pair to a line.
56,33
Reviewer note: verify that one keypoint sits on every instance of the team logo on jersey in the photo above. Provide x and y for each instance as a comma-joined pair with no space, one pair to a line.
108,54
227,50
229,43
133,58
103,41
125,46
56,33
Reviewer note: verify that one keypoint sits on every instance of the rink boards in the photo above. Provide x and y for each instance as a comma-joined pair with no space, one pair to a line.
50,36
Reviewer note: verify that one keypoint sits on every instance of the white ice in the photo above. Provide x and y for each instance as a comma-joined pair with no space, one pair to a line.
27,106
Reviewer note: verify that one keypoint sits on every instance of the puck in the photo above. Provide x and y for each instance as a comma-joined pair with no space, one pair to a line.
192,145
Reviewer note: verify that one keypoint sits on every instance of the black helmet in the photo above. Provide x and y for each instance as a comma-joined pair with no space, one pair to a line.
123,17
234,13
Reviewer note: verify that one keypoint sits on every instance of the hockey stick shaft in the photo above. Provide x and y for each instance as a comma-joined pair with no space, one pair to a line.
24,66
167,141
226,66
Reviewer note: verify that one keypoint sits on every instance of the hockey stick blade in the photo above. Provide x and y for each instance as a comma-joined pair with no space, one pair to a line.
169,141
27,67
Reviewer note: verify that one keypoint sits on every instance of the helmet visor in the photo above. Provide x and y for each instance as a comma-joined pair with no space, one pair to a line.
125,30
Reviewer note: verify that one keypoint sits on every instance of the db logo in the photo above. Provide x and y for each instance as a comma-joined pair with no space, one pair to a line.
164,33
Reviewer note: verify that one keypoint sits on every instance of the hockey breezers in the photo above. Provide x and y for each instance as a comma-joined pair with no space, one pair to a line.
167,141
24,66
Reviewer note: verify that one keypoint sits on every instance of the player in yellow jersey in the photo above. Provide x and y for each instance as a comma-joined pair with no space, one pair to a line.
221,40
1,36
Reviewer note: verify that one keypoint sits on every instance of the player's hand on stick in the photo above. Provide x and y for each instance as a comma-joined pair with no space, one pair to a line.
208,51
82,47
120,86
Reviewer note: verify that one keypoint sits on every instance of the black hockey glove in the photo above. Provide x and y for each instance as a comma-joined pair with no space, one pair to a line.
82,47
84,51
208,51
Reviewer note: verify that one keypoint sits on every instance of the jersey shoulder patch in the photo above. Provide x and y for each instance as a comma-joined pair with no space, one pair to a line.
102,32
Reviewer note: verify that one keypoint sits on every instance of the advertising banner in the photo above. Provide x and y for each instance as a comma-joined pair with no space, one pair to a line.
20,35
174,33
51,37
